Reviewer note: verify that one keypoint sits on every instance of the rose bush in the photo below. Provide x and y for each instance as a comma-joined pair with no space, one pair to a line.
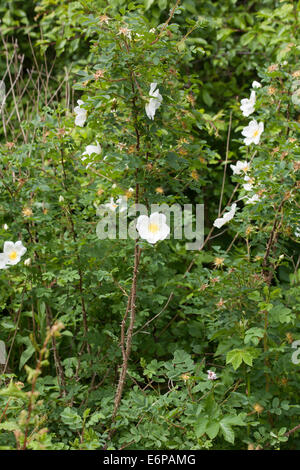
140,343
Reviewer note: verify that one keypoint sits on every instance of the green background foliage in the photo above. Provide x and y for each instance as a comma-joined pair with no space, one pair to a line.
238,316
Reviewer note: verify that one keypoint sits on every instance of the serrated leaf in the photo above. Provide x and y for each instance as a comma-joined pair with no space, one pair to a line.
200,426
227,431
212,429
235,358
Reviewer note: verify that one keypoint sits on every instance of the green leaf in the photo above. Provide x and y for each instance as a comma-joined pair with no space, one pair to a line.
237,356
71,418
212,429
207,98
26,355
227,431
200,426
13,391
148,4
9,426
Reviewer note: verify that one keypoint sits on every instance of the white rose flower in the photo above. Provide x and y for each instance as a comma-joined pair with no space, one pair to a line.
154,102
27,262
248,186
81,114
61,198
89,150
3,261
112,205
253,132
226,217
247,105
122,203
256,84
13,252
153,228
239,167
253,199
5,227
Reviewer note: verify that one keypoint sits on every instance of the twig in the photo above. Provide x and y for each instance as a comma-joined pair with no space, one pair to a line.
57,361
166,23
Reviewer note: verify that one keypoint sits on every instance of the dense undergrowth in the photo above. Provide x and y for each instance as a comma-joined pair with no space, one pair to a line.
114,343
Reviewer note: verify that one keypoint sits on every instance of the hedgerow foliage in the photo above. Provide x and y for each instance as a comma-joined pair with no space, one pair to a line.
121,343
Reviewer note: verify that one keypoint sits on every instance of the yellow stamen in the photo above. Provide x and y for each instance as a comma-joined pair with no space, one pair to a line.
153,228
246,167
255,134
13,255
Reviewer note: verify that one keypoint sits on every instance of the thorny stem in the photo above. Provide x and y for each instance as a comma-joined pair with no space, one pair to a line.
57,361
126,339
5,409
166,23
126,336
